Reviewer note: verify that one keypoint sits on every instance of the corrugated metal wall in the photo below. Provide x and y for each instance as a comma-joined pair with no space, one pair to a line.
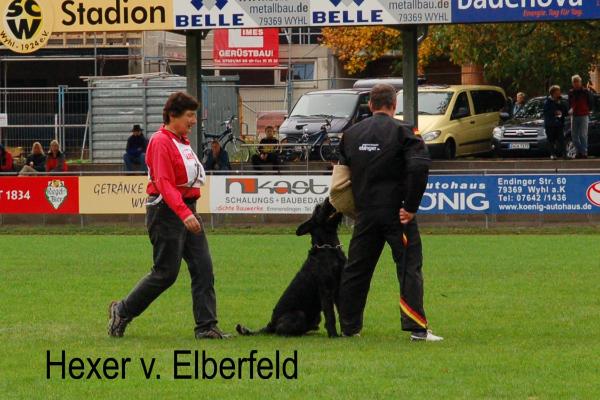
117,104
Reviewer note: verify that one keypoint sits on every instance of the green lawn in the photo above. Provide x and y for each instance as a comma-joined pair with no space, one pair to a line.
520,315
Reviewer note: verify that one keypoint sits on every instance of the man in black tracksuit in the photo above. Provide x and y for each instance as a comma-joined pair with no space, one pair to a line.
389,169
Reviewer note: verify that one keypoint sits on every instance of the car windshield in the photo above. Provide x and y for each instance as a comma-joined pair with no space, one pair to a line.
532,109
339,105
430,103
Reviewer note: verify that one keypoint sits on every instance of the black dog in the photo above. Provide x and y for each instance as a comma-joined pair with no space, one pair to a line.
315,286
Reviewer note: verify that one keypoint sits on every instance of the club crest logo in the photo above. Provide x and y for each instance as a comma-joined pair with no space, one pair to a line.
209,4
26,25
593,194
346,2
56,193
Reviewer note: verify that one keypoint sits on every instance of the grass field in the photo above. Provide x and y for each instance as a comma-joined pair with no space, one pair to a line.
520,315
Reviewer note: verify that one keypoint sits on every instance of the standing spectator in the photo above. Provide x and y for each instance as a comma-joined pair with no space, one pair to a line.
36,161
217,159
519,103
266,154
555,112
6,160
580,101
55,162
389,167
135,152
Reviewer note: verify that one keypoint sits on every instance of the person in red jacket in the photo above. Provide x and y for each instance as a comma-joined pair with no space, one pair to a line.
55,162
175,230
580,101
6,160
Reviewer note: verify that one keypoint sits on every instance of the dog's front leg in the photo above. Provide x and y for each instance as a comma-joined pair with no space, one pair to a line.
327,301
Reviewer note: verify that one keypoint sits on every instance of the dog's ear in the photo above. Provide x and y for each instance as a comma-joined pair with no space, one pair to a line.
304,228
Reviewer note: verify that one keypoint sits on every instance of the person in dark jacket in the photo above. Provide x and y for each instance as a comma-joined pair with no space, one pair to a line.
555,112
135,152
217,159
6,160
55,161
35,162
389,168
580,101
266,154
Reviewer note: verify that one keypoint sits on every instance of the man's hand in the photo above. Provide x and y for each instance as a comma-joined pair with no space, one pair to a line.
263,156
405,216
193,225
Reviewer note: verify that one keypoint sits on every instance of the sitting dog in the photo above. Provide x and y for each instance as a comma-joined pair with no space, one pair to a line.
315,286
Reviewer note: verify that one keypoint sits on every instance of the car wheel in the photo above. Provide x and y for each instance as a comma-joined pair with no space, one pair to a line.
570,149
449,150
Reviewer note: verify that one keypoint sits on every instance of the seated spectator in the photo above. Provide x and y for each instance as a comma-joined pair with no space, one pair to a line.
135,152
6,160
266,154
36,161
55,161
218,159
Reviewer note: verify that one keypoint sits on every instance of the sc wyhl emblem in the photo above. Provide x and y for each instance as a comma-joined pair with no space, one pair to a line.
349,12
209,15
27,25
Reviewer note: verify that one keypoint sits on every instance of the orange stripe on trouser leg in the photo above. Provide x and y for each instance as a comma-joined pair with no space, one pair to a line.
412,314
404,240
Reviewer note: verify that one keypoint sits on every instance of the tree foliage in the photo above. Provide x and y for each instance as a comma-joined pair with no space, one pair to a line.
527,57
357,46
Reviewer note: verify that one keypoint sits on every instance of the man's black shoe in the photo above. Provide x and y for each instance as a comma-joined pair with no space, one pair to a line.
116,323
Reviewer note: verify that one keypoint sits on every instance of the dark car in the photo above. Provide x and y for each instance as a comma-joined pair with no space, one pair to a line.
342,107
524,134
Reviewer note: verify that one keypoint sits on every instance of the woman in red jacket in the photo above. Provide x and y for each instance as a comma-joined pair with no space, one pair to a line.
55,162
175,230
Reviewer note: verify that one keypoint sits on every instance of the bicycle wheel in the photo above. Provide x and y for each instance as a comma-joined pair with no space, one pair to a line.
291,153
330,149
236,152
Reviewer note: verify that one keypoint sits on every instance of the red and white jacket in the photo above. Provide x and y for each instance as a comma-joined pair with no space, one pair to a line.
174,170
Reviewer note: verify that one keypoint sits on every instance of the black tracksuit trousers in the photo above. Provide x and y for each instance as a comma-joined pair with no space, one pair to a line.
373,228
171,243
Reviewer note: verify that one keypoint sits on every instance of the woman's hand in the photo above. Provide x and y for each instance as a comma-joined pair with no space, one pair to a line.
193,225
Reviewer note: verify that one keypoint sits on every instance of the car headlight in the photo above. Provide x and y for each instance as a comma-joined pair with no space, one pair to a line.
432,135
497,133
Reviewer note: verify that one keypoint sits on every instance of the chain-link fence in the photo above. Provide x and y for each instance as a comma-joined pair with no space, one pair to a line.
44,114
93,122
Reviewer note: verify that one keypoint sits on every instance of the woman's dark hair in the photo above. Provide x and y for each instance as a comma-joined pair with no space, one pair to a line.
177,104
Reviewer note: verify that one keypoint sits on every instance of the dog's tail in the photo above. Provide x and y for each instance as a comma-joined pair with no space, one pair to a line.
243,331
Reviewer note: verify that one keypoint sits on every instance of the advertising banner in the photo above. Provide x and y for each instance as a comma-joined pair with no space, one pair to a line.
249,47
298,194
468,11
39,195
121,195
512,194
267,194
27,25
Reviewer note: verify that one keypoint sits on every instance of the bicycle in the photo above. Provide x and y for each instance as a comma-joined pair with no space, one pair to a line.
231,144
327,147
